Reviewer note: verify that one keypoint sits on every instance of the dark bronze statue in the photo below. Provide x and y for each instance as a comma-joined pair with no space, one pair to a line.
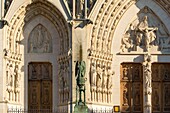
80,80
80,70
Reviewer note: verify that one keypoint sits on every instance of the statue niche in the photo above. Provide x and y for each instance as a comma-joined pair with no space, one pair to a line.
40,40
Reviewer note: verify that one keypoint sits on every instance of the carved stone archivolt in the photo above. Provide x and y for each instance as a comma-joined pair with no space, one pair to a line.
147,33
24,15
165,4
105,23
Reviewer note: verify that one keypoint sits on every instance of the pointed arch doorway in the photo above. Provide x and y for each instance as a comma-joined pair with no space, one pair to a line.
39,86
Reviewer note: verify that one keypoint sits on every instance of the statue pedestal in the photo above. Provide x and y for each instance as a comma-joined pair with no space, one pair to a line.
80,109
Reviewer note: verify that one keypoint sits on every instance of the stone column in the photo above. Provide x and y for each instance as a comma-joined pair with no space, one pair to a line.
147,86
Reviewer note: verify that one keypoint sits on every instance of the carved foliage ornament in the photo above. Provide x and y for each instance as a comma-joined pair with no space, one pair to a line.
147,33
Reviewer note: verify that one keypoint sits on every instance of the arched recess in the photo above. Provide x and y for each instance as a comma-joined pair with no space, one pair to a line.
27,17
110,24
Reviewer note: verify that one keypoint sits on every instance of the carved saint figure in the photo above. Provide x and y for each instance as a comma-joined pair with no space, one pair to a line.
61,78
17,76
80,8
93,74
147,70
10,75
104,81
109,79
99,76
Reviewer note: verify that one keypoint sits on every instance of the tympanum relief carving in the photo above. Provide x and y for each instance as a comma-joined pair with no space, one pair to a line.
40,40
146,33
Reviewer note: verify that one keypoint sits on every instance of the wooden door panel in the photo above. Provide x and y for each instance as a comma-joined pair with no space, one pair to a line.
34,95
161,88
131,88
137,97
46,101
166,97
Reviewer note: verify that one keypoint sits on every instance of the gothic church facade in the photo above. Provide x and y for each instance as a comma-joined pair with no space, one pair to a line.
124,43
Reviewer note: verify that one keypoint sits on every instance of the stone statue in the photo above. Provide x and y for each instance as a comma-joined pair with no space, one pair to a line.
80,70
126,42
93,74
147,33
7,4
109,79
147,70
104,81
11,73
17,76
99,76
80,8
61,78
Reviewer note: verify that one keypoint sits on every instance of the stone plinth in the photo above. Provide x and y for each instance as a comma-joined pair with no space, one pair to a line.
80,109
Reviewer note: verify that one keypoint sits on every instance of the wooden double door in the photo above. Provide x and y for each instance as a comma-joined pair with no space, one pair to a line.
132,88
40,86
